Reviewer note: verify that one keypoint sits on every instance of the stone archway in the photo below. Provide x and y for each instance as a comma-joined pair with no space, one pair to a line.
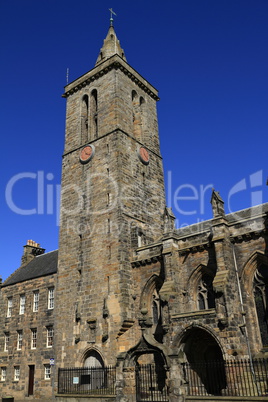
205,359
93,359
145,371
95,377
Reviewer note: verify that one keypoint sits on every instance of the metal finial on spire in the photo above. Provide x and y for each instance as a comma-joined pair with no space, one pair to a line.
111,18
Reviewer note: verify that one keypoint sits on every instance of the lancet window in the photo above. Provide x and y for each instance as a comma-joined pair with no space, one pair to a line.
94,114
137,111
261,301
84,120
206,296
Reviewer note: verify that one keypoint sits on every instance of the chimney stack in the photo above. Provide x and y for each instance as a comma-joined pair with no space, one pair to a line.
31,250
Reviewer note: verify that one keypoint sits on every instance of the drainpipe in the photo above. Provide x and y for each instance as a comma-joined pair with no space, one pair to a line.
244,325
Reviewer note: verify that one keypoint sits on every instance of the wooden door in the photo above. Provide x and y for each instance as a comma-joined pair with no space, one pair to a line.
31,380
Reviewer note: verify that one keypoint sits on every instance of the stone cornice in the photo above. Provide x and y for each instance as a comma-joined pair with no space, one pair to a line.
194,248
146,261
239,238
192,314
114,62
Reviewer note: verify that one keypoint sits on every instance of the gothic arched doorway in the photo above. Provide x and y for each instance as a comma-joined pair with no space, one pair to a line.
93,359
150,366
94,378
205,360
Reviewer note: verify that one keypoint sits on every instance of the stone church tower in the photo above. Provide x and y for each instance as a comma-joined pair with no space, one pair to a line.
112,202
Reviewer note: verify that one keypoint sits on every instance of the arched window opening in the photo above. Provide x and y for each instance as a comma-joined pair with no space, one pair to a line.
136,112
94,114
261,301
141,238
94,379
206,296
84,120
138,238
134,96
141,101
156,308
152,305
156,313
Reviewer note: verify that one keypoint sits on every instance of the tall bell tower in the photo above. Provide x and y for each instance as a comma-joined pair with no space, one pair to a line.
112,202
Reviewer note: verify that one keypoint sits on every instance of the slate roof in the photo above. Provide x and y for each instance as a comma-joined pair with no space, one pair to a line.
42,265
248,213
195,228
232,218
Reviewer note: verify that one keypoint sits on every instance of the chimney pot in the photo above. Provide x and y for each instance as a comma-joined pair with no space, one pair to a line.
31,250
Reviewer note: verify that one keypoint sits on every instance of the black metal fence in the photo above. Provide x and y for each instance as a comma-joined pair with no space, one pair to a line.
151,383
87,380
227,378
221,378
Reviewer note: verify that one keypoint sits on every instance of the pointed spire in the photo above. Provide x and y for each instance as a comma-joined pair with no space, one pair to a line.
111,46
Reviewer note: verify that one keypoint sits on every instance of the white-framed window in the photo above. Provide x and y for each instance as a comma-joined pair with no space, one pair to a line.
50,336
6,341
34,338
19,341
47,371
22,304
16,373
3,373
35,300
50,298
9,306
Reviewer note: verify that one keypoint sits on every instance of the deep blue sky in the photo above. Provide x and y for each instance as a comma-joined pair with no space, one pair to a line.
207,58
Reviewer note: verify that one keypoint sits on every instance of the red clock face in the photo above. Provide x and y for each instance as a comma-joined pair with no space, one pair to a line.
86,153
144,155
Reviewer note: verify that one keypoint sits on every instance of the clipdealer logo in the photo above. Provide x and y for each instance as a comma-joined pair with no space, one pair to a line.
186,199
253,185
45,194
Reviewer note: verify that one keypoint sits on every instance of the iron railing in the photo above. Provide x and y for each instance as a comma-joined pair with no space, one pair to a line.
151,383
222,378
87,380
227,378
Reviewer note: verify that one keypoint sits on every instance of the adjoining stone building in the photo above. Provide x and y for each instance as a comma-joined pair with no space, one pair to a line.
125,287
27,325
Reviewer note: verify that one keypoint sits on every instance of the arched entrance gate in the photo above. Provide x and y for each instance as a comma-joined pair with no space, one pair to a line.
204,364
150,372
95,378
